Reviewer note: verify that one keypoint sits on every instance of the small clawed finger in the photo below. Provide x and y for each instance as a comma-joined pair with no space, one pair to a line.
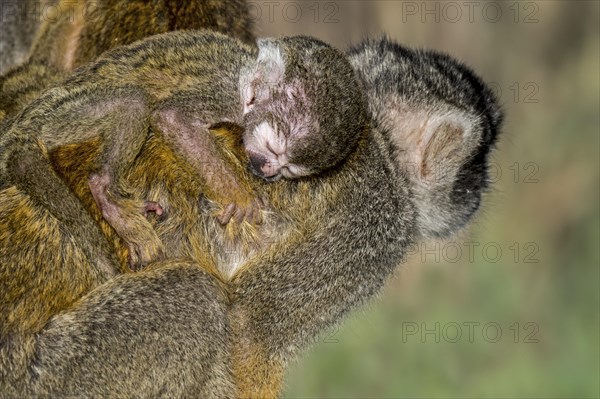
239,215
225,217
258,217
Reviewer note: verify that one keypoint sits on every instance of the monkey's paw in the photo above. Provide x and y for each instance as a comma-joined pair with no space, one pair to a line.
252,213
128,218
145,249
141,239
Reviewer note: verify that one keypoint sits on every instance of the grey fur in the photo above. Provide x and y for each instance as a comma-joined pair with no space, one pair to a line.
364,215
98,101
407,88
18,24
163,333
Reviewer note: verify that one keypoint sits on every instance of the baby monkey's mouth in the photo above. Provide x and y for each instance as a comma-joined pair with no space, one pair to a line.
272,170
270,156
269,179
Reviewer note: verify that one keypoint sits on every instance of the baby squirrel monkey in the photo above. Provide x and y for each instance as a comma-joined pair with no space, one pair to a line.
296,97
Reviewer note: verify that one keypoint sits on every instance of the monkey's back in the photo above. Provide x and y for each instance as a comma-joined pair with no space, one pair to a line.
104,31
201,65
205,62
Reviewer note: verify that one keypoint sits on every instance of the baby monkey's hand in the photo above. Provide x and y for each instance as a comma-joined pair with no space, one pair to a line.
252,212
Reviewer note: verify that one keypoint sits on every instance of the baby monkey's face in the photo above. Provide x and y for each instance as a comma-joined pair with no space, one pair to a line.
303,109
279,130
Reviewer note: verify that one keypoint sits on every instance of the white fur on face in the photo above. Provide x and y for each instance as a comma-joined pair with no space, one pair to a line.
270,141
266,72
266,142
269,53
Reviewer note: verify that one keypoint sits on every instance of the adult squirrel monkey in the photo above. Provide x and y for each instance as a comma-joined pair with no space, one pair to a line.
192,327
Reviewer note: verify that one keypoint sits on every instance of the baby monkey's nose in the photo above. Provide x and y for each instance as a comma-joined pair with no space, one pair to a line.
270,168
256,163
262,167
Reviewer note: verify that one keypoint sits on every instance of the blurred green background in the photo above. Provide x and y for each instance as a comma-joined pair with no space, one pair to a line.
510,308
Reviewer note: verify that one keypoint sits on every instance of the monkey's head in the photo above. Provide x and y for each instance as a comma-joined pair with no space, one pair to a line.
443,122
303,109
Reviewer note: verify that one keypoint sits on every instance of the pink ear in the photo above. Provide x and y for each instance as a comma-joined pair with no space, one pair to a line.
433,144
441,148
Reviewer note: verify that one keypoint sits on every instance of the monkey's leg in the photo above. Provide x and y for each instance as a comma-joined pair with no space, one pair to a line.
62,116
123,125
28,168
190,135
128,218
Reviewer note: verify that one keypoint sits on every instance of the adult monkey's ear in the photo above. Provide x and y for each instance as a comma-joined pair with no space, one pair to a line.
442,122
445,153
